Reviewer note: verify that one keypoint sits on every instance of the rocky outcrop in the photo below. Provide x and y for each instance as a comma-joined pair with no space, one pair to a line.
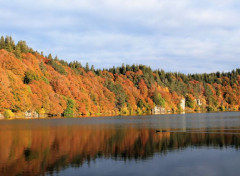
1,116
158,110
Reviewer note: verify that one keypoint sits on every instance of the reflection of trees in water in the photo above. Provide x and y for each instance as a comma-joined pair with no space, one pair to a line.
55,148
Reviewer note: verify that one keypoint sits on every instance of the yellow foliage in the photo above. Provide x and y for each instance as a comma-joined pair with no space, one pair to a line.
139,110
42,111
125,110
166,89
8,114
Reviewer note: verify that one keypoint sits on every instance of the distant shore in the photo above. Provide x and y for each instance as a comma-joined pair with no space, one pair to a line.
54,116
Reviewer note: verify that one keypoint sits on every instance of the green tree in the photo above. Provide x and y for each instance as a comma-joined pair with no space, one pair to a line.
158,100
58,67
208,91
17,52
68,112
92,68
23,46
87,67
140,104
50,56
189,102
123,69
42,67
29,77
119,92
2,43
9,44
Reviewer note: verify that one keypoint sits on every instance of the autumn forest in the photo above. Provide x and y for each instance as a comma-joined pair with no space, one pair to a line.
33,82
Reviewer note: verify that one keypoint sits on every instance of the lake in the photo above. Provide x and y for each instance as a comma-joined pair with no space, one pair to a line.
184,144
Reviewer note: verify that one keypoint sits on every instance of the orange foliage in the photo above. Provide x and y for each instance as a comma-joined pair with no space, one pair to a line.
51,90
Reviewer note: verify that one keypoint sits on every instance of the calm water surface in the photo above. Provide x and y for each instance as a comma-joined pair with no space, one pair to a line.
186,144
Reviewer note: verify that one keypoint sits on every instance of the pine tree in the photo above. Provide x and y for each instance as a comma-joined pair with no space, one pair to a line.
158,78
87,67
23,46
92,68
12,43
69,111
118,70
123,69
50,57
17,52
2,43
8,45
158,100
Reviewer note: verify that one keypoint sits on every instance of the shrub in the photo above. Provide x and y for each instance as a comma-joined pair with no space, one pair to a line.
29,77
68,112
158,100
58,67
8,113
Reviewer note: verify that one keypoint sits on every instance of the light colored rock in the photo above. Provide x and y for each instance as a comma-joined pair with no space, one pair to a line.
158,110
183,104
199,103
35,114
1,116
31,114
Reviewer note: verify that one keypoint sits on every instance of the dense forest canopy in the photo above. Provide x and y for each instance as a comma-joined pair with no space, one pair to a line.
30,81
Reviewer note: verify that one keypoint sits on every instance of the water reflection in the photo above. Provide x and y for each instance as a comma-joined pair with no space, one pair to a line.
33,150
36,147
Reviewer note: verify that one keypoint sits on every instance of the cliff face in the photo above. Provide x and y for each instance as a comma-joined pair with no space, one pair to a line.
33,82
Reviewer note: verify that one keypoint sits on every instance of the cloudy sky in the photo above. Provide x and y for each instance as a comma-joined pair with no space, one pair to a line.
175,35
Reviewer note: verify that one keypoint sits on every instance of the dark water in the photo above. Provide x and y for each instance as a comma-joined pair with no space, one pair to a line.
187,144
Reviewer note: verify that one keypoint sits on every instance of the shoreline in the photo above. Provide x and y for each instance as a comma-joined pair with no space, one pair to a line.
51,116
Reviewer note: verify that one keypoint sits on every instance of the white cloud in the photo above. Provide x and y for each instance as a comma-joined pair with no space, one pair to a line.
184,35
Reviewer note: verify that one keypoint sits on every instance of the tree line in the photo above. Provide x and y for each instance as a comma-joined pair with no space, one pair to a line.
51,85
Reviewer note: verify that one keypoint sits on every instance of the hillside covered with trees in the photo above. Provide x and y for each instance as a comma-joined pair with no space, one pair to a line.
30,81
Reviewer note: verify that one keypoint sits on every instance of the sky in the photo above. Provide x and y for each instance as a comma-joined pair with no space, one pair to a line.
189,36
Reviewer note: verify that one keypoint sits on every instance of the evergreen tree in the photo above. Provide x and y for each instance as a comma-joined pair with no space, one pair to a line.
158,100
12,43
189,102
92,68
118,70
2,43
17,52
87,67
128,68
68,112
56,58
8,44
50,57
23,46
123,69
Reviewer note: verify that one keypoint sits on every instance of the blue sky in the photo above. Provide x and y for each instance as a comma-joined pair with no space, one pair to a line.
190,36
